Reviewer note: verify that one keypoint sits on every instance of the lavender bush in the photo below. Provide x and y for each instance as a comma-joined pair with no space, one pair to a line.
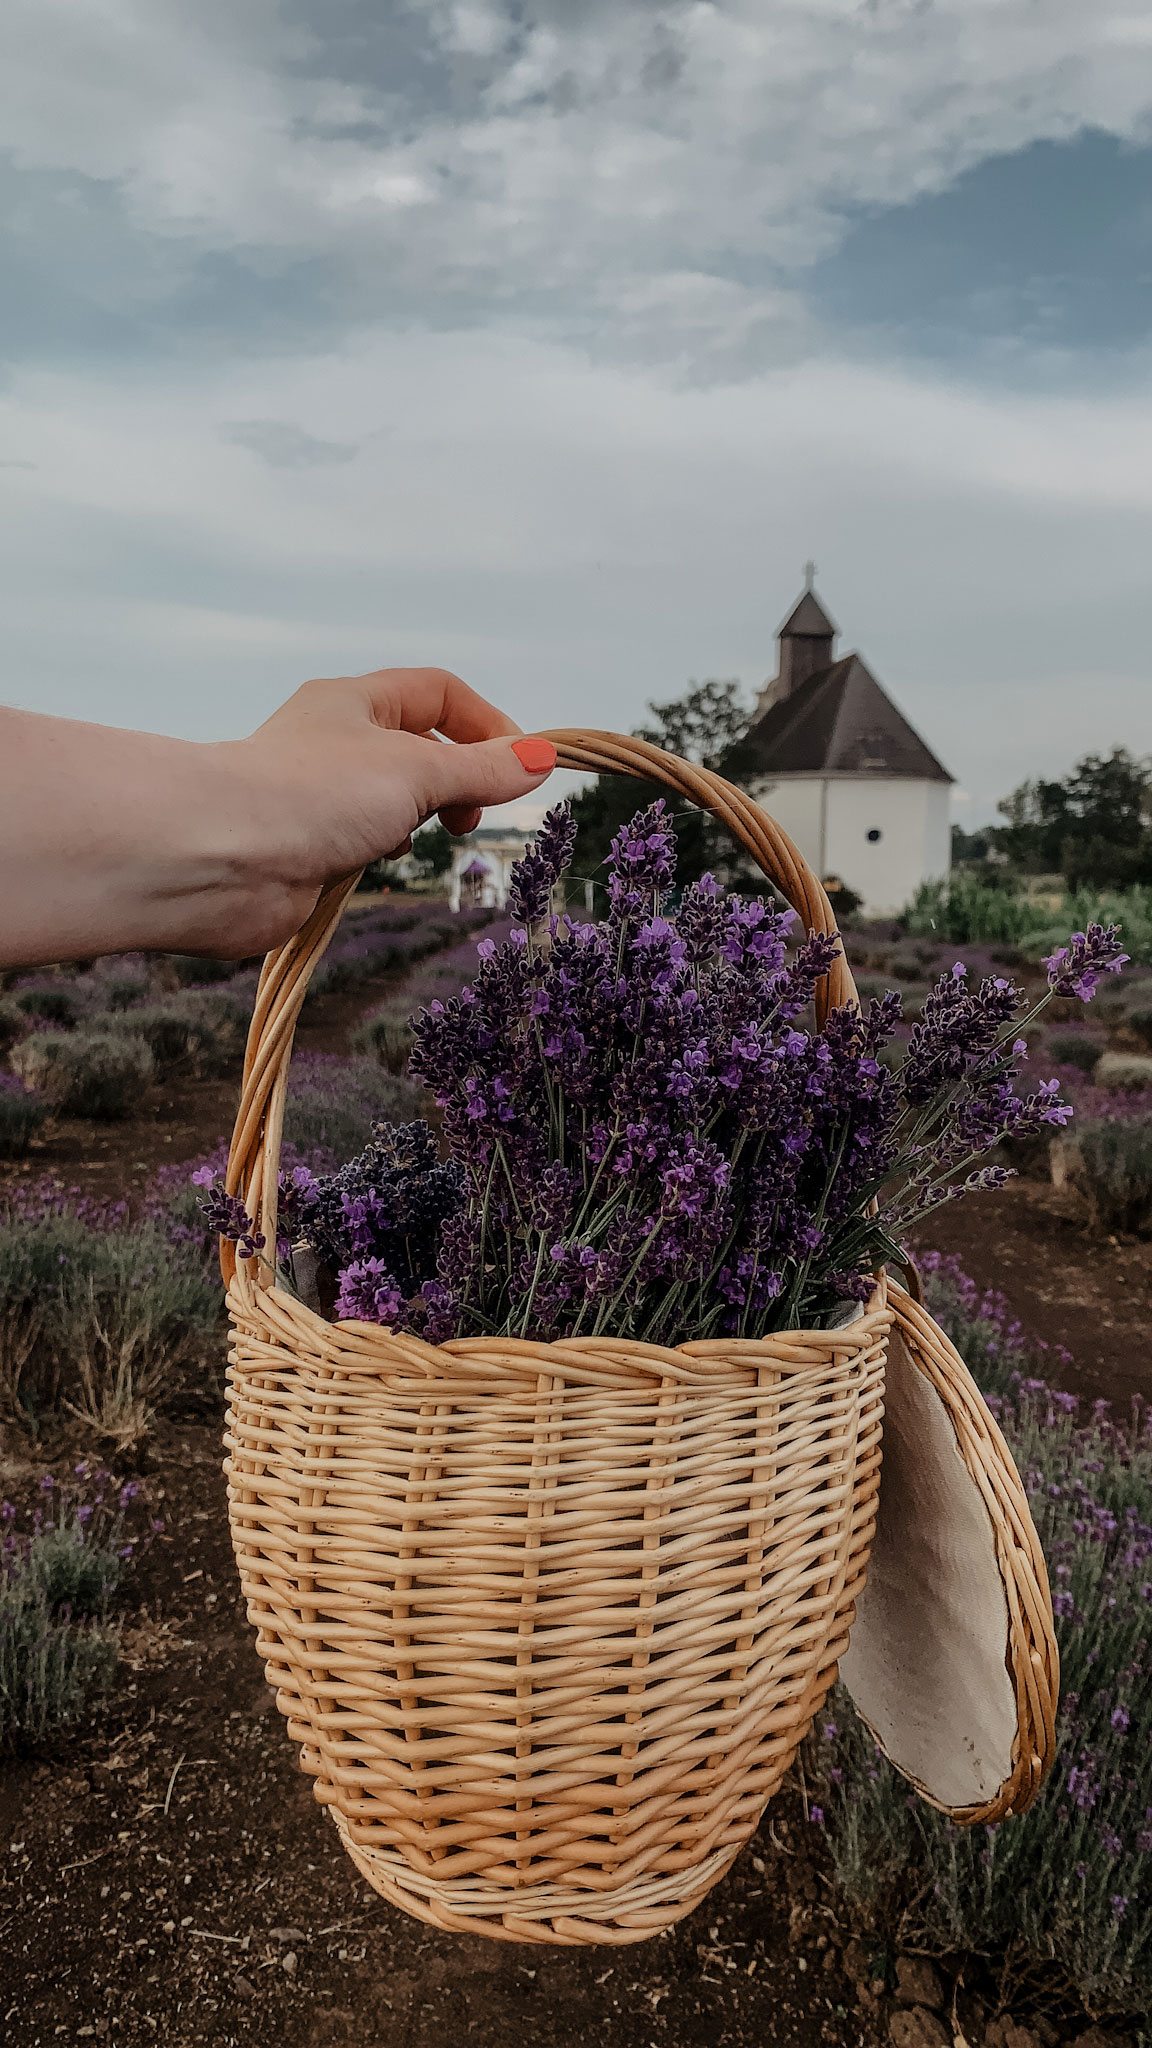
61,1565
1112,1163
100,1315
387,1033
198,1031
22,1111
332,1101
644,1140
54,1001
1070,1882
97,1074
14,1023
1074,1049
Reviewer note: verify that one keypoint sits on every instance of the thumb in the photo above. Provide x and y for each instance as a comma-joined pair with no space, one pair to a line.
469,776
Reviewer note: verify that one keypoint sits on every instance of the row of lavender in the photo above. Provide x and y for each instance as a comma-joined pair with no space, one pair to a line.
1068,1886
86,1038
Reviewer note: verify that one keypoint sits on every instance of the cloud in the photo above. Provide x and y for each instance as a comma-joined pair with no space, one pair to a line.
284,446
577,537
565,165
602,316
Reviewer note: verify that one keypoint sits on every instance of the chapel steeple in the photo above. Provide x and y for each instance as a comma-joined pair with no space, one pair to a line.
804,644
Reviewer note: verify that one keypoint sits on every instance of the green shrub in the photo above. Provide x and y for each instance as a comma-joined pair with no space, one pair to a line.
56,1002
97,1074
387,1037
99,1320
969,910
966,910
1073,1049
22,1111
333,1103
1112,1162
1068,1885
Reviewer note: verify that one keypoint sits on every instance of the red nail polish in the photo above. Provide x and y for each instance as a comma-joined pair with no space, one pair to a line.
536,757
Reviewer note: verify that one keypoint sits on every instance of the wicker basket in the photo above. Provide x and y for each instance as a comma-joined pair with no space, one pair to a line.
548,1621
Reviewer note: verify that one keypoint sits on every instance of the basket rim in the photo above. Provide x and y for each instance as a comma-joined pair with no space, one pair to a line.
700,1362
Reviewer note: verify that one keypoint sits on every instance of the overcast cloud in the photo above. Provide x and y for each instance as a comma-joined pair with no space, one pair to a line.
548,341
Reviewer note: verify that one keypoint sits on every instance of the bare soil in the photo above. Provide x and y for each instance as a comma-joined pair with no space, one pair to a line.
1068,1285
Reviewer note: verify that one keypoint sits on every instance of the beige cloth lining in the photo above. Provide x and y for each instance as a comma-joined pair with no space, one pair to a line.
927,1666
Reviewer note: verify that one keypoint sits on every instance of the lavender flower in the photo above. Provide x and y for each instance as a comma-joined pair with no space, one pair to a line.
534,876
1075,970
226,1215
369,1293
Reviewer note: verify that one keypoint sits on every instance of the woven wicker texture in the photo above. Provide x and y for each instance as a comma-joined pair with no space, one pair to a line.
547,1621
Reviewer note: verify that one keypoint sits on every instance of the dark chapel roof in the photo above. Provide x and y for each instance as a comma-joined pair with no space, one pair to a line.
809,618
838,721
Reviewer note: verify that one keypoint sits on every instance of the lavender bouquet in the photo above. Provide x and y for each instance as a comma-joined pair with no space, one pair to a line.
647,1137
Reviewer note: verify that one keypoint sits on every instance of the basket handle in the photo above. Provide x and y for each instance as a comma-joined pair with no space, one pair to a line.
254,1156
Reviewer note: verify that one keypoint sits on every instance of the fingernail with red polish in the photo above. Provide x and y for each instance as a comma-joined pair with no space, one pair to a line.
536,757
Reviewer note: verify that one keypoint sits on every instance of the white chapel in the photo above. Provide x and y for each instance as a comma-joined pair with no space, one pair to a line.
835,762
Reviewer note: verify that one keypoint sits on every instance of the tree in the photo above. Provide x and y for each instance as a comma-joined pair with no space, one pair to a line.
1094,828
432,849
700,726
968,846
431,855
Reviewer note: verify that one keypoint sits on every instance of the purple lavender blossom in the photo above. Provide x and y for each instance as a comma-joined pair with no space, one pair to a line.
226,1215
1075,970
369,1293
534,877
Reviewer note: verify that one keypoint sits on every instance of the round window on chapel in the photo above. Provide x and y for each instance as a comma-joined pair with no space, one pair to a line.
873,835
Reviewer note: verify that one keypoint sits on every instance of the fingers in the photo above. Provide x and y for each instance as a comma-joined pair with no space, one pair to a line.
463,779
434,700
460,818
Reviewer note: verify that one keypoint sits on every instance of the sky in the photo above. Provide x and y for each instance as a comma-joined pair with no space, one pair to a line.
546,340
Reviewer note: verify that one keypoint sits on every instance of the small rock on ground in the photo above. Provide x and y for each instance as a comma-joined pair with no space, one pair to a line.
918,1982
915,2027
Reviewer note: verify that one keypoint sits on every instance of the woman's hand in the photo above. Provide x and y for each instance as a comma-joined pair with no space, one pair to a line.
354,764
115,841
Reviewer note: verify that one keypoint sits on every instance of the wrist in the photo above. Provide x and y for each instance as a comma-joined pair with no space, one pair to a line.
246,887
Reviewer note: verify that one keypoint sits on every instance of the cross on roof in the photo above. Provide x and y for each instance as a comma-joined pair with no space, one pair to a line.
809,575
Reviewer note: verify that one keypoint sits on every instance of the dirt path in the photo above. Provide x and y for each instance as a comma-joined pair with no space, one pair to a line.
1092,1295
